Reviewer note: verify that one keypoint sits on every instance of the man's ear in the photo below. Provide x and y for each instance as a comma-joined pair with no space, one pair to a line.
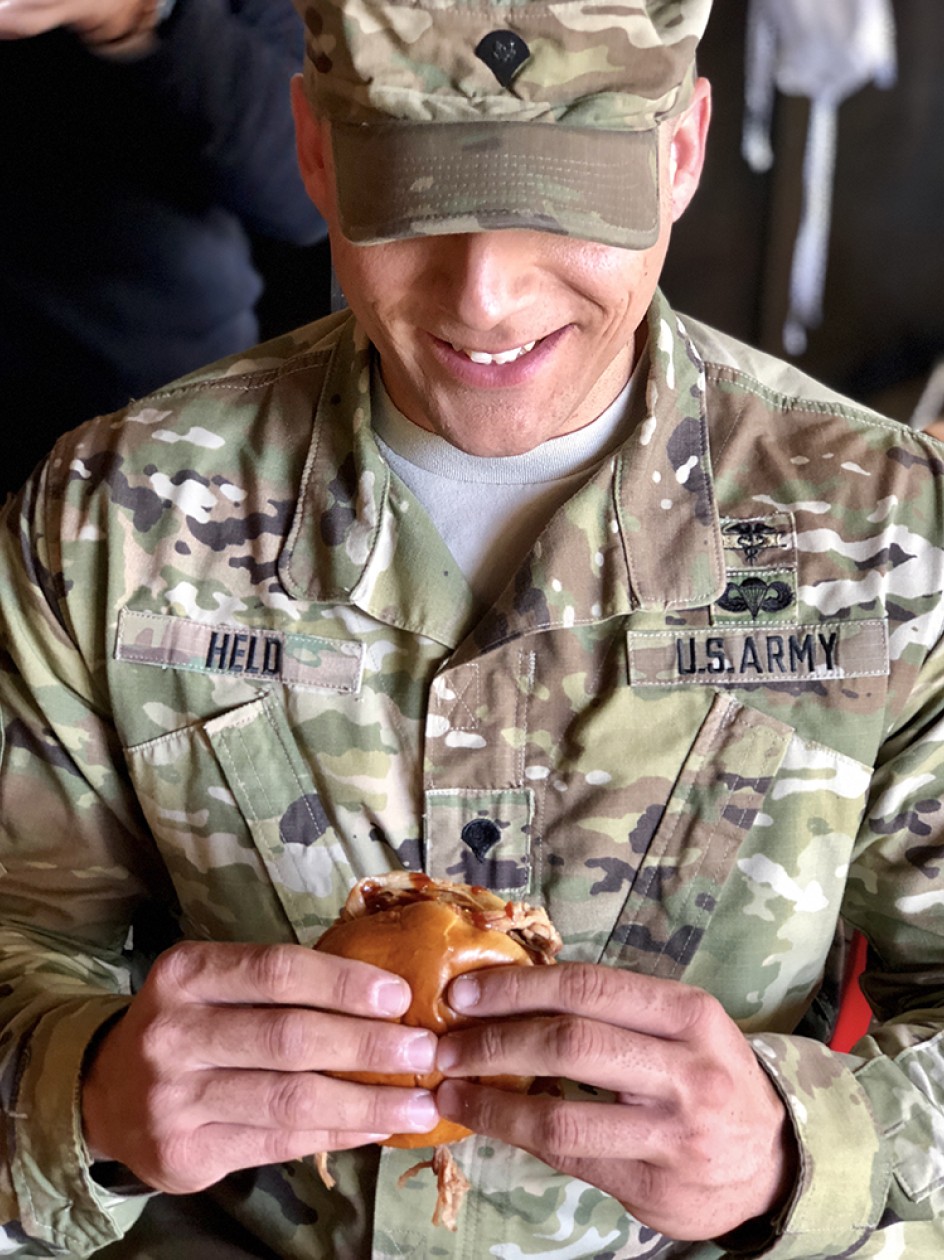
310,143
687,148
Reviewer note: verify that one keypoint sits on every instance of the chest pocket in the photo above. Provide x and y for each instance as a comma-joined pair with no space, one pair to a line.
712,807
242,827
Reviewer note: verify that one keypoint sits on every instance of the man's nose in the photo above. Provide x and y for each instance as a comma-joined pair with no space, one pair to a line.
487,278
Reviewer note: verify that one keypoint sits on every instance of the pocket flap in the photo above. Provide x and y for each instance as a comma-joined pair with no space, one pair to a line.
278,798
711,809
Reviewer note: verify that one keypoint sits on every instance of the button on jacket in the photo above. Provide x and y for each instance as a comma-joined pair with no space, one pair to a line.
701,724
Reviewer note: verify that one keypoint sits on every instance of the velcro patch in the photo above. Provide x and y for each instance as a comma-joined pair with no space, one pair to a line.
298,660
764,653
759,541
755,596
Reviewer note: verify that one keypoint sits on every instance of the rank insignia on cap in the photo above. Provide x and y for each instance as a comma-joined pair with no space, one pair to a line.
504,53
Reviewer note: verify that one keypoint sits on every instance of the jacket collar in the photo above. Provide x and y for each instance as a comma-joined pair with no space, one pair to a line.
665,497
642,534
354,519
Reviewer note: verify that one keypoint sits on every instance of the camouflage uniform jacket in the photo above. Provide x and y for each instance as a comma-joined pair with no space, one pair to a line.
702,723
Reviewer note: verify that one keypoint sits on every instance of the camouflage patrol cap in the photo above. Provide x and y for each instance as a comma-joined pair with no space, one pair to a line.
472,115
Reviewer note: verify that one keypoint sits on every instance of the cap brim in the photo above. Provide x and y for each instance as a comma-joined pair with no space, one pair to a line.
405,179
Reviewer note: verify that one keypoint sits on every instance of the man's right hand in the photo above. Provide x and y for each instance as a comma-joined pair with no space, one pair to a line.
218,1064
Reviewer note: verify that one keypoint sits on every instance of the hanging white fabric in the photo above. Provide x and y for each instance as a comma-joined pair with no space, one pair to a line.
824,50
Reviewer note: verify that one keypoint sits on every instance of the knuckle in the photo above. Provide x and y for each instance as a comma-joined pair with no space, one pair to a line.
176,1166
559,1129
491,1046
290,1102
377,1049
159,1042
166,1100
346,985
575,1040
350,1108
274,970
173,970
287,1038
274,1147
382,1112
652,1188
584,986
695,1007
514,981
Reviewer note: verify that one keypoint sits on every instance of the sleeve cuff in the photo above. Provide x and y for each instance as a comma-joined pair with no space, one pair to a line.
843,1177
59,1200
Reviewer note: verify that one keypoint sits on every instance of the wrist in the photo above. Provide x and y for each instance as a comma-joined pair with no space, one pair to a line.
94,1093
753,1237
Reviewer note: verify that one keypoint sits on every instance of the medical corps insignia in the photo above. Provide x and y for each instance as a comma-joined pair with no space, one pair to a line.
759,541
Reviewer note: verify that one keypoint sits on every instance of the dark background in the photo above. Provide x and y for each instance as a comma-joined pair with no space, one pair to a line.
729,262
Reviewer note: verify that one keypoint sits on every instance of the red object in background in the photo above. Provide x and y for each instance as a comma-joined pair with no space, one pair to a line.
854,1012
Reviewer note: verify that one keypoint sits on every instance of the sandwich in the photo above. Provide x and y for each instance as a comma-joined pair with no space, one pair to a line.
430,931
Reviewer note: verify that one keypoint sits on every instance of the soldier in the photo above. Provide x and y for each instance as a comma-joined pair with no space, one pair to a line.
513,576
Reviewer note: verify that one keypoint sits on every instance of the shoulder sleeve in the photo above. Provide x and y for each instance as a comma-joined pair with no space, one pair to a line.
871,1123
74,862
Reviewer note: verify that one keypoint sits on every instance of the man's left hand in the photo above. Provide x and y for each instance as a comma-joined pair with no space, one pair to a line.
698,1141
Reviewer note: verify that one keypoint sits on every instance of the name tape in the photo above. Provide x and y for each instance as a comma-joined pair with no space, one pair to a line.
760,653
300,660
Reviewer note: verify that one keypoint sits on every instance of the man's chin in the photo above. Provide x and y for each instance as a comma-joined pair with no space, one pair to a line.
501,435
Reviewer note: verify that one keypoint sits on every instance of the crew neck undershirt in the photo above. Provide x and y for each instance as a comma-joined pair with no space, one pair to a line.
489,510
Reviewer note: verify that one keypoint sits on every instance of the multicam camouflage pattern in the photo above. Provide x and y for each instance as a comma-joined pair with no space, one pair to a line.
777,763
390,74
616,66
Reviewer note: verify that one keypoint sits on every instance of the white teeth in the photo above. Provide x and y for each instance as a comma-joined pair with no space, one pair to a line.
504,356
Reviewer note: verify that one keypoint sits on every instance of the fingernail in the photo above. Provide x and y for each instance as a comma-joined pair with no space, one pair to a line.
422,1113
391,997
448,1098
419,1051
447,1056
464,992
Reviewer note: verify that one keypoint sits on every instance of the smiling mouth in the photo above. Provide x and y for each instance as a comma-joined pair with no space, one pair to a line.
503,356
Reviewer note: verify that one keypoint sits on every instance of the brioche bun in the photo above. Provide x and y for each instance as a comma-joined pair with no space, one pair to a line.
430,931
